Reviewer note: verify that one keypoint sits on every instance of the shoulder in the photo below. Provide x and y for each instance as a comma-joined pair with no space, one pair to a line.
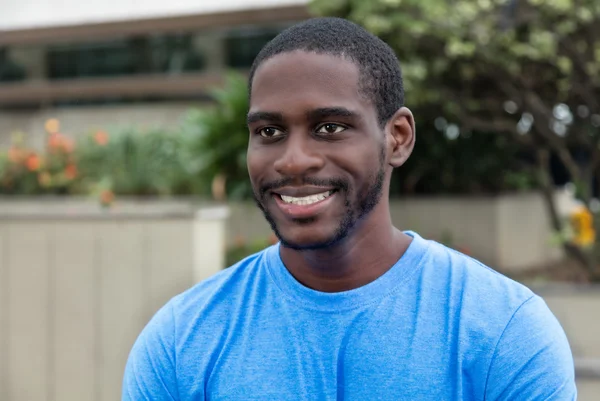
221,291
532,358
527,352
198,314
474,281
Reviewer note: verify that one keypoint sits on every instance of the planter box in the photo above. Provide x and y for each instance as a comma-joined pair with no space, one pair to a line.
508,232
78,284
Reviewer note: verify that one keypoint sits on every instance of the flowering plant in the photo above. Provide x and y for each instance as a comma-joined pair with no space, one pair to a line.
24,170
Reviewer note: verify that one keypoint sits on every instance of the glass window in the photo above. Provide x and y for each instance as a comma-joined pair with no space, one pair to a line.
10,71
130,56
242,46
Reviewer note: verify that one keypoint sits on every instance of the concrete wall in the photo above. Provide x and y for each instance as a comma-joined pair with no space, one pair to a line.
77,285
509,232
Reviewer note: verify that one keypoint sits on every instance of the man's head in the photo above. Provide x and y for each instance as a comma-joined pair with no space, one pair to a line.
380,74
327,126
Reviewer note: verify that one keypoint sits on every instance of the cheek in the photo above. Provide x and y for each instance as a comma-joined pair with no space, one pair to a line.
260,167
253,162
360,164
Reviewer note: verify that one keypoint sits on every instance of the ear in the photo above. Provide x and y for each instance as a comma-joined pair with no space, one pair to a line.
400,136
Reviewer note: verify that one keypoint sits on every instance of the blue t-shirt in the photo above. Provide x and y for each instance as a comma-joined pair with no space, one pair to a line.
437,326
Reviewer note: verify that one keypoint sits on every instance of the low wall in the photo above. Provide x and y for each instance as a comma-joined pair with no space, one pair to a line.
577,308
77,285
508,232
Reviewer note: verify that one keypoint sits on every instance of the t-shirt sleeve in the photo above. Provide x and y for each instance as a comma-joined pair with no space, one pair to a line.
150,370
533,359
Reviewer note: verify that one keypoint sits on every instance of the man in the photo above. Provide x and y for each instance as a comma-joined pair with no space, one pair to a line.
345,306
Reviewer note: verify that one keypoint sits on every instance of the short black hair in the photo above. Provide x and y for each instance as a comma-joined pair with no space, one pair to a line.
380,72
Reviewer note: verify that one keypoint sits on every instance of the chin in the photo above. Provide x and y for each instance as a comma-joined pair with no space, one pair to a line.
312,233
304,245
309,240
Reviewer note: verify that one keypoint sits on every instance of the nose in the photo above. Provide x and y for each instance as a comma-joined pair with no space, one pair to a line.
299,157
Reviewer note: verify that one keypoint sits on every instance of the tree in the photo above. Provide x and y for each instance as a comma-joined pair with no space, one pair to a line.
529,69
444,162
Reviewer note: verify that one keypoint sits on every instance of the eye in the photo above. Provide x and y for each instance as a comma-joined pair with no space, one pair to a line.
269,132
330,129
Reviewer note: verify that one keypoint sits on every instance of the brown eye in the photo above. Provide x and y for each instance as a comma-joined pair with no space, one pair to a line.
330,129
269,132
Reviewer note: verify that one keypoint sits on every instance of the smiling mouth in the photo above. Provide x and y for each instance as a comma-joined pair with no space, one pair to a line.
306,200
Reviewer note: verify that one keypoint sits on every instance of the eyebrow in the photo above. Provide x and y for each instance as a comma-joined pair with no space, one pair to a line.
316,114
256,116
326,112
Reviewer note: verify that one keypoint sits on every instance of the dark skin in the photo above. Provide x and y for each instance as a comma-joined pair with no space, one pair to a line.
311,130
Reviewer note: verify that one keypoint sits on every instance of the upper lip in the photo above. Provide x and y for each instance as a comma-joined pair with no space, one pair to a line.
299,192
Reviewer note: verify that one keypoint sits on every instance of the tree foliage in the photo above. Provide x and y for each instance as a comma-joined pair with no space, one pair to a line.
530,68
526,68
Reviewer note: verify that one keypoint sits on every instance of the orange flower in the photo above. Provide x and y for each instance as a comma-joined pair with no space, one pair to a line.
15,154
33,162
107,197
71,171
67,145
57,141
54,141
44,179
101,138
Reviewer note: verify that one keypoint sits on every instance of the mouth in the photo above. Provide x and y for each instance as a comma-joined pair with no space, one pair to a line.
305,200
304,207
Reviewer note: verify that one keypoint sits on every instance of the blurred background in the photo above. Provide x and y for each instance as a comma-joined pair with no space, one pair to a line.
123,174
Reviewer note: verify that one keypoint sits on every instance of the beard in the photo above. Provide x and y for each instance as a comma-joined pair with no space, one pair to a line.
354,212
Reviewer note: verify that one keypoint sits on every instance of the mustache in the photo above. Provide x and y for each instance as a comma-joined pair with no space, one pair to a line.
337,183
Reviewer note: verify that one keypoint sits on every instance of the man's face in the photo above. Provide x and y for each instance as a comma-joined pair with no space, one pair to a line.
316,155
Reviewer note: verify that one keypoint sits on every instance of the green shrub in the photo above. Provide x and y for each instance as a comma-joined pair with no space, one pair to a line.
216,141
134,163
242,249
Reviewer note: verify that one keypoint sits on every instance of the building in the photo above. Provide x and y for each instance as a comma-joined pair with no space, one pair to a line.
122,62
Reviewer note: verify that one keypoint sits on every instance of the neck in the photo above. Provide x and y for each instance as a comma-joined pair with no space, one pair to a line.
369,251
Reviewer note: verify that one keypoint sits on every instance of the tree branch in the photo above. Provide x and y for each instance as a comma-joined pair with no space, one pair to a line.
547,190
543,117
470,121
547,186
506,126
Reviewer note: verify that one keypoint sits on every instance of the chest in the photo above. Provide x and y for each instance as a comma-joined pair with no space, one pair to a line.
368,357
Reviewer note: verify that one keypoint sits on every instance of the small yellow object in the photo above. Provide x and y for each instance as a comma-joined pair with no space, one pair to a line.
52,126
582,221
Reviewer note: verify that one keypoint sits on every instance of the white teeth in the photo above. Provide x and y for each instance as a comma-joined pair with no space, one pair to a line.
306,200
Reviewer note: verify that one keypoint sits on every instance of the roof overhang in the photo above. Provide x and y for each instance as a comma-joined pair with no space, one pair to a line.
24,23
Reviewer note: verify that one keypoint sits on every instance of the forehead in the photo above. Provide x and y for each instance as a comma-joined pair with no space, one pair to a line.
300,80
